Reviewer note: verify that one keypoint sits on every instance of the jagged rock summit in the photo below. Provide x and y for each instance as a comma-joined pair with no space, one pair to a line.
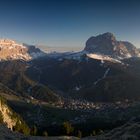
107,44
10,50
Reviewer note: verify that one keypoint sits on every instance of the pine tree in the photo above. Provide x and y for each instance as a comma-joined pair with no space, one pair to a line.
45,133
34,131
79,134
68,128
94,133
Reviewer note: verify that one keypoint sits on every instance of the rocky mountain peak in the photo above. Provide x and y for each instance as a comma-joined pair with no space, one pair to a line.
107,44
10,50
108,36
6,41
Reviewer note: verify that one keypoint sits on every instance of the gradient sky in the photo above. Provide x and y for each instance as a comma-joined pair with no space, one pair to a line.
68,23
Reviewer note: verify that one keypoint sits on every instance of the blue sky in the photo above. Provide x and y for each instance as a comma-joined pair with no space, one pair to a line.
69,23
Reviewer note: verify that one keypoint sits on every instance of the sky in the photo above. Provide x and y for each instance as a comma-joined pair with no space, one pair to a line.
69,23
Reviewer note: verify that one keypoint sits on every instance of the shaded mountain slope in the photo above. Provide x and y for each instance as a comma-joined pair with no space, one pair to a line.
12,75
89,79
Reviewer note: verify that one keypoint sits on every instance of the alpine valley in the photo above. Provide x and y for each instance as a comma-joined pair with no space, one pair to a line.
92,92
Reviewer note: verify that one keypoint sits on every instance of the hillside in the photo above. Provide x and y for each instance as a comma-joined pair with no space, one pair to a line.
12,74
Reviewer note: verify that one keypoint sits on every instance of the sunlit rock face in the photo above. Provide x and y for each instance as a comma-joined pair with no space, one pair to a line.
107,44
10,50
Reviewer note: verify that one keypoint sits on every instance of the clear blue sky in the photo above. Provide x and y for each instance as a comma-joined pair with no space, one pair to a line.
69,22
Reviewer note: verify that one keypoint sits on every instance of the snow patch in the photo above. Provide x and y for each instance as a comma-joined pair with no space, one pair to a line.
67,55
104,76
106,72
103,58
77,88
35,55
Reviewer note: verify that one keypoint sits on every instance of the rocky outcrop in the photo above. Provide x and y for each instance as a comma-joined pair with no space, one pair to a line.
11,119
6,115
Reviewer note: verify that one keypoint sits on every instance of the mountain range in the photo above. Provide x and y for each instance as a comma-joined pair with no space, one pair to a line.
92,74
47,85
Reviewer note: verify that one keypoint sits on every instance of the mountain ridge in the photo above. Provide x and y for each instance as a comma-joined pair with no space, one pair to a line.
104,44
